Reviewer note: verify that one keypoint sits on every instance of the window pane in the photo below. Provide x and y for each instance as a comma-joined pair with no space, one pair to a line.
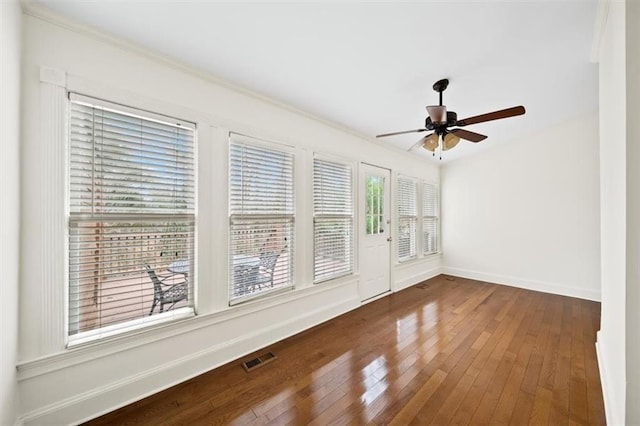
407,238
332,188
333,248
110,264
260,181
429,200
261,256
375,205
125,164
430,229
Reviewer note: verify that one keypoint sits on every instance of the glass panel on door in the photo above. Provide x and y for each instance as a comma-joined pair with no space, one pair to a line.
375,205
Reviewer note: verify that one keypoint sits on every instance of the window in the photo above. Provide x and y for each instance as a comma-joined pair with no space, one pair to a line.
261,217
332,220
131,218
375,205
430,218
407,218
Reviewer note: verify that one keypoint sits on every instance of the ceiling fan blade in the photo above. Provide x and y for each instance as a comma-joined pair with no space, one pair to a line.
401,133
470,136
496,115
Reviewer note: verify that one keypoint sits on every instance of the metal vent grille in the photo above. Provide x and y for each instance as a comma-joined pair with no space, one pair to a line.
254,363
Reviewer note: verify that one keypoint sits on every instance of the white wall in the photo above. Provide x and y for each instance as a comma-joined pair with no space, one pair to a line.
64,386
526,213
633,213
9,217
611,338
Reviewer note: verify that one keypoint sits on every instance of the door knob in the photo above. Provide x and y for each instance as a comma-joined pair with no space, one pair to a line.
389,239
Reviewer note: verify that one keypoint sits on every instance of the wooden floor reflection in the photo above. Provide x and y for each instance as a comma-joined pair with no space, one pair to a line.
442,352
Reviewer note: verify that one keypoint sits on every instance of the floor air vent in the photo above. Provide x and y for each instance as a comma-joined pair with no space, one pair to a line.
254,363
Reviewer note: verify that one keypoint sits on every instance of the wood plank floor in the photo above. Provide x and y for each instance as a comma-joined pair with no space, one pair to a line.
447,351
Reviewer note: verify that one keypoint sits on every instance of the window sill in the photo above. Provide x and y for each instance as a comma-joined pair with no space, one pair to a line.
122,342
335,280
418,259
145,323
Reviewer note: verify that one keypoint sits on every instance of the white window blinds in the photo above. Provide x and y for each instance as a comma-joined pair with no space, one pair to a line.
261,210
430,214
332,220
131,218
407,218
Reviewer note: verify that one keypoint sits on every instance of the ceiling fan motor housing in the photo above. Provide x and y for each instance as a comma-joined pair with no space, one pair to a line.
452,119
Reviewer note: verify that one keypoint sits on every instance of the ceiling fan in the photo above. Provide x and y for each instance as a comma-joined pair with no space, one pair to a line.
440,120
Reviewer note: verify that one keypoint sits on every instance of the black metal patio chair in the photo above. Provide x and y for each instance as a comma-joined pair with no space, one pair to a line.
166,293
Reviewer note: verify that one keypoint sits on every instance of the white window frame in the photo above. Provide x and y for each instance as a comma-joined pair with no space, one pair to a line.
426,218
347,215
285,221
407,211
75,217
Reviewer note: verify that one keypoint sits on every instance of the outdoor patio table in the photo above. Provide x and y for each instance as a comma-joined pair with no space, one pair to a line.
180,267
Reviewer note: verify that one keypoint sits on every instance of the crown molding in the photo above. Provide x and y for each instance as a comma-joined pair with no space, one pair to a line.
31,8
599,27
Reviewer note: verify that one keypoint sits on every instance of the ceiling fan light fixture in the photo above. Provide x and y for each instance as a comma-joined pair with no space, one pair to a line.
430,143
449,141
437,113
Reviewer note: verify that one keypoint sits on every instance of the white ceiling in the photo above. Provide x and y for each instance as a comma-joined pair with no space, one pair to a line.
370,66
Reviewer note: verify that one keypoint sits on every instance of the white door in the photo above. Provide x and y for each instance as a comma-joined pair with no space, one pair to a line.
375,231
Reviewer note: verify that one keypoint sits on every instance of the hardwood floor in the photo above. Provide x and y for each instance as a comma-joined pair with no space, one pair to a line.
441,352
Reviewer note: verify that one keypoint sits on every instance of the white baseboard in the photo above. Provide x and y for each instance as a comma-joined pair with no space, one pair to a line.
417,278
107,398
544,287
